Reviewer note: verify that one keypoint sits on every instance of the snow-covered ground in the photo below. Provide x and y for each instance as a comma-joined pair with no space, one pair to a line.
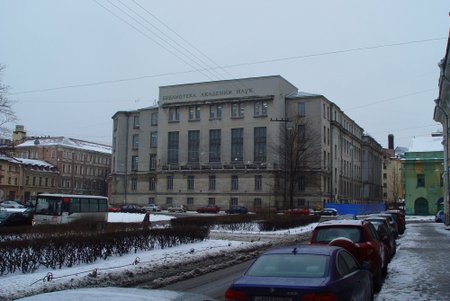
112,270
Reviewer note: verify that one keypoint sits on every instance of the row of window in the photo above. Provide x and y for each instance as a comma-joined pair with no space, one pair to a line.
83,171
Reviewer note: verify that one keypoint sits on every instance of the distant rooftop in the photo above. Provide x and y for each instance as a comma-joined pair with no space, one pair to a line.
426,144
302,94
67,142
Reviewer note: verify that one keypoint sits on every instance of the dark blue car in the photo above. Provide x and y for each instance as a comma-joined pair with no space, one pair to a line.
303,273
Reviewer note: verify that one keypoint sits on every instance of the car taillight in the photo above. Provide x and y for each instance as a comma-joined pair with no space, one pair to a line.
319,297
231,295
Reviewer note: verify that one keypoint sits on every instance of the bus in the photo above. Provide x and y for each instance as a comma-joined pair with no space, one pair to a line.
68,208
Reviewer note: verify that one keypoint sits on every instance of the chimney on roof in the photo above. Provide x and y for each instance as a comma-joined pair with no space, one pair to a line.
19,134
391,141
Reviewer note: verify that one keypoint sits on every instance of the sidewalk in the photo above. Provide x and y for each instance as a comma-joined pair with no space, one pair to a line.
420,269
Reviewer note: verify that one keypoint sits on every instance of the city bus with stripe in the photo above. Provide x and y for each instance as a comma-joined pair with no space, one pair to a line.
53,208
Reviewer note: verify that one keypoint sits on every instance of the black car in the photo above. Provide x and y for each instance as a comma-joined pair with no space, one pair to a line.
237,210
14,218
329,211
132,208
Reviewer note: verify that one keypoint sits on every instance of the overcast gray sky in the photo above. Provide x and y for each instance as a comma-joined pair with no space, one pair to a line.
72,64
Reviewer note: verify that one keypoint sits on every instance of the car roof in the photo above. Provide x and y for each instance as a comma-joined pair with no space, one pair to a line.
341,222
304,249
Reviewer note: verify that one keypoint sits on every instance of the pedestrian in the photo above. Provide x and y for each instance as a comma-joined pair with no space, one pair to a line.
146,222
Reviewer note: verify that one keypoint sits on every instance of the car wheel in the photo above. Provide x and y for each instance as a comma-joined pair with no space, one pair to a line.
377,281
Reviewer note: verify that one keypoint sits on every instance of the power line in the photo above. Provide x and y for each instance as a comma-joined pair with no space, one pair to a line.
391,98
226,66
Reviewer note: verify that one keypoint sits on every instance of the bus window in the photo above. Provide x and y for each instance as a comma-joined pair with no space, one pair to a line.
48,206
93,205
102,205
84,205
75,205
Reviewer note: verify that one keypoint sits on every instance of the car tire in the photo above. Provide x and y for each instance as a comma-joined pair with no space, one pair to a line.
377,281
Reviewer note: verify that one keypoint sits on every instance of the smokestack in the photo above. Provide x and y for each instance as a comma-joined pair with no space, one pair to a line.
391,141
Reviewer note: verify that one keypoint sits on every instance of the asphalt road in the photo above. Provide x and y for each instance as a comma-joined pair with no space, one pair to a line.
212,284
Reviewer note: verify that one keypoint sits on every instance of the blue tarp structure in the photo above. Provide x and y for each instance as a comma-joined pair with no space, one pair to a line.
356,208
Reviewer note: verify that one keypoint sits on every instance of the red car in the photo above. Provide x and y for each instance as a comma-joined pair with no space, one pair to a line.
360,238
303,211
111,208
209,209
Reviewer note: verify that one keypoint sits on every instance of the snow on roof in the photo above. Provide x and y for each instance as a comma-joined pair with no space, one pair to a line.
302,94
426,144
26,161
67,142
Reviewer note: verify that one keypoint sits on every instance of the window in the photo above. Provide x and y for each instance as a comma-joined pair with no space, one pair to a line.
214,145
152,184
301,109
169,182
257,203
134,163
420,180
174,114
212,183
190,182
154,119
193,146
172,149
135,141
169,201
152,161
260,108
237,110
133,184
154,139
194,113
215,112
258,183
136,122
301,183
190,201
151,200
211,201
234,182
260,144
237,145
234,202
301,132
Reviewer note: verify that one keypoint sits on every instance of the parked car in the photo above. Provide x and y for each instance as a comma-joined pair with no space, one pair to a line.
439,217
14,218
399,218
237,210
11,204
306,272
132,208
176,208
111,208
209,209
391,220
361,239
152,207
385,234
346,216
303,211
328,211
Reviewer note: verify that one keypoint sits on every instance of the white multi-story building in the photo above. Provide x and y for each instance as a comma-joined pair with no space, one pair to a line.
229,143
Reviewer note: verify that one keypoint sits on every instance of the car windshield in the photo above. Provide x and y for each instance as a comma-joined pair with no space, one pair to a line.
327,234
290,265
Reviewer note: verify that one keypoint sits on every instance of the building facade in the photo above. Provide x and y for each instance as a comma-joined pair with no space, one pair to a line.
83,167
255,142
422,171
441,115
20,179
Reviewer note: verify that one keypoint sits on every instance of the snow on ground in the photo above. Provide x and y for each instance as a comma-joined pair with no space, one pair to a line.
120,217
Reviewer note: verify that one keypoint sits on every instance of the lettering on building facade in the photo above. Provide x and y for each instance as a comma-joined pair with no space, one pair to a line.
207,94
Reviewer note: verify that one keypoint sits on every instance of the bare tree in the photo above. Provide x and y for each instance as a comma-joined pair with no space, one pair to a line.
7,114
300,158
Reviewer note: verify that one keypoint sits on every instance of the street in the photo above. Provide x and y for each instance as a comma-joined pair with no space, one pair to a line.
419,270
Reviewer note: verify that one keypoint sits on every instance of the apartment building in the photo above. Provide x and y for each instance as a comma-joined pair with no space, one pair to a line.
83,167
21,179
256,142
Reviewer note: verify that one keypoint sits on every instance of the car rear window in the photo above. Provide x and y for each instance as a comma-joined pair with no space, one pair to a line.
327,234
290,265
